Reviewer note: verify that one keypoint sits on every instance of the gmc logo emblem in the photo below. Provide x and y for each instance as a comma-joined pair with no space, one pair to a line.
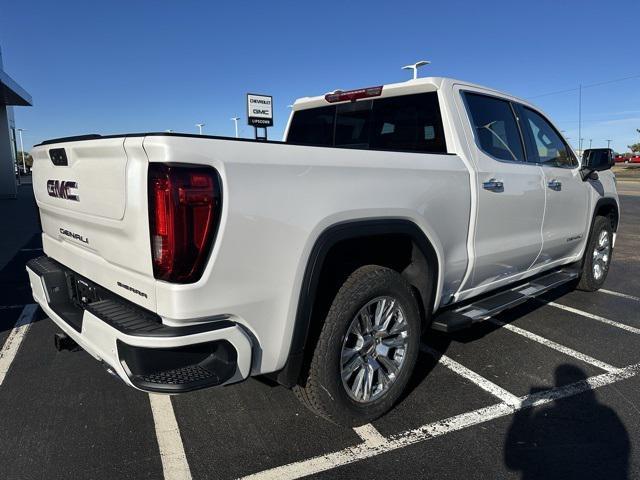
62,189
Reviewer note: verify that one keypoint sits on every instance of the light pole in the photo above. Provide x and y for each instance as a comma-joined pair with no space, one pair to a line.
590,142
580,117
200,125
24,167
235,120
608,143
415,67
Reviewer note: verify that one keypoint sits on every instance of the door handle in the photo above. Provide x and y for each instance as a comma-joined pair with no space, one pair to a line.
493,185
555,185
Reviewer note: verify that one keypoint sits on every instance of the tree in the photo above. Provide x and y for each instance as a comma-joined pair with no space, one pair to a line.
635,148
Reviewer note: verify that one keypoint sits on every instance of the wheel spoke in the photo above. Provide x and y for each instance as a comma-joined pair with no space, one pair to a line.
348,353
356,389
387,316
367,326
392,342
351,366
380,309
389,365
399,326
368,382
384,379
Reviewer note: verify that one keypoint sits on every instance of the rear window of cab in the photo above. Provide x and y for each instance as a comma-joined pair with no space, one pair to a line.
408,123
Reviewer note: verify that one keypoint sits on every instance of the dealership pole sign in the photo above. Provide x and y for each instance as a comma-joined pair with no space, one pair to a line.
260,112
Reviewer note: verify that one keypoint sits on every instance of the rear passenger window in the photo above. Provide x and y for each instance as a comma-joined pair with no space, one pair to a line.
549,148
408,123
313,127
495,127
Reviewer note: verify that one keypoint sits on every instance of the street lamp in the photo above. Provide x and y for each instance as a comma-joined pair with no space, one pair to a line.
235,120
590,142
415,67
608,143
24,167
200,125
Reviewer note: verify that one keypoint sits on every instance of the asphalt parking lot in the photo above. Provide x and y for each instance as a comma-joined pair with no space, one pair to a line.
549,390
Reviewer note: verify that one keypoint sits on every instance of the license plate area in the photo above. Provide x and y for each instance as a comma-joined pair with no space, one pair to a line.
82,291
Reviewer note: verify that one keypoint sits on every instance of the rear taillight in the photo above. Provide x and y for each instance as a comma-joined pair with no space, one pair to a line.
184,212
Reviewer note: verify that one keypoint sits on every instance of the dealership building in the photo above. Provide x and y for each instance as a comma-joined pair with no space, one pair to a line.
11,94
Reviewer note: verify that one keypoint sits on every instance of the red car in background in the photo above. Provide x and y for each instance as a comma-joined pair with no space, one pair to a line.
620,159
634,159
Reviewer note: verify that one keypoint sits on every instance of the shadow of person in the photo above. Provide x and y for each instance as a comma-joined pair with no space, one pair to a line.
575,437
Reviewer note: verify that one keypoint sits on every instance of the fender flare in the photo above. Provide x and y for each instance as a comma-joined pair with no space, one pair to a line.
288,375
602,202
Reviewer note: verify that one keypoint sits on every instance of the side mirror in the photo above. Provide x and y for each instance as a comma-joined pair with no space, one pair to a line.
596,160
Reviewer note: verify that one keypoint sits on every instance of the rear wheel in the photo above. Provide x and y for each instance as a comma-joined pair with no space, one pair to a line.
597,256
367,348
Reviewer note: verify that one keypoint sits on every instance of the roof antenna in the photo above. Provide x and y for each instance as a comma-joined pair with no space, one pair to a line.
415,67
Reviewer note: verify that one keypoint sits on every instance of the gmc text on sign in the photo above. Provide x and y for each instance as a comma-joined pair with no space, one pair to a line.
259,110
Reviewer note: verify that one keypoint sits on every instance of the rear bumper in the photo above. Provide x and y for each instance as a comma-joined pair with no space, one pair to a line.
135,345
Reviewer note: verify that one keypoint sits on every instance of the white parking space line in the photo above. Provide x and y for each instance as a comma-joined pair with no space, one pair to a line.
618,294
480,381
598,318
370,435
555,346
13,341
174,460
432,430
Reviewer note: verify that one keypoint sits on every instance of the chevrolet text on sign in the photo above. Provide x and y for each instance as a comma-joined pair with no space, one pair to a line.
260,110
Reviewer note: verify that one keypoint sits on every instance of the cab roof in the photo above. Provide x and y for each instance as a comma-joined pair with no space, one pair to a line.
419,85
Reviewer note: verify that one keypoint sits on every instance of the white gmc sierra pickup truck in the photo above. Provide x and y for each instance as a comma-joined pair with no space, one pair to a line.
184,261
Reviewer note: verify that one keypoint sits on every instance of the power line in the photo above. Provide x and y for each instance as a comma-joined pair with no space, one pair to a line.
556,92
590,85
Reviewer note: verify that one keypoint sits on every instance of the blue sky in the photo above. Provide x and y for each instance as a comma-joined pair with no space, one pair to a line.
132,66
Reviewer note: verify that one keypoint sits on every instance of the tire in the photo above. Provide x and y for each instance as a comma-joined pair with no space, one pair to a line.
345,402
597,256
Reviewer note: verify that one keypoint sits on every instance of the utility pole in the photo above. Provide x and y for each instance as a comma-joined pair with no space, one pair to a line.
200,125
24,166
235,120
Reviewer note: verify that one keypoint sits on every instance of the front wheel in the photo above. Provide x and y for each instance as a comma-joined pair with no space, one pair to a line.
597,255
367,349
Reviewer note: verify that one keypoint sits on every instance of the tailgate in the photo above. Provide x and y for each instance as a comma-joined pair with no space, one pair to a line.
92,196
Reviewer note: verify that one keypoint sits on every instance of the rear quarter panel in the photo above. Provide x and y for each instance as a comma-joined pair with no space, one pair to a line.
277,199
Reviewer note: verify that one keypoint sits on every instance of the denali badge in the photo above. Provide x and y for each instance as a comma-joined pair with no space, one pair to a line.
73,235
62,189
